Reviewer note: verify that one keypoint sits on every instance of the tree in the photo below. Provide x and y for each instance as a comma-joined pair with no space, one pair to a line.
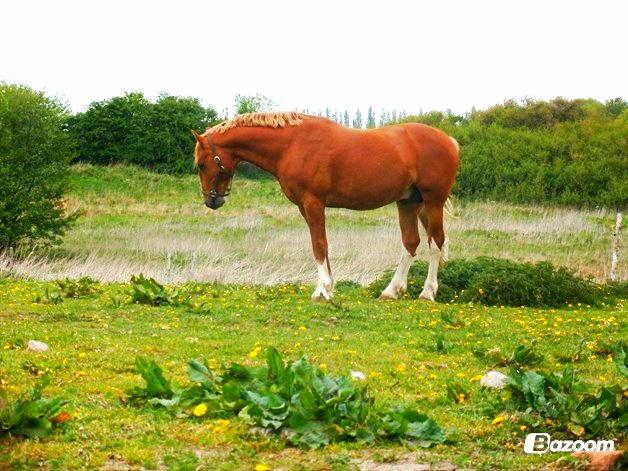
357,121
370,119
35,152
383,118
345,118
133,130
252,104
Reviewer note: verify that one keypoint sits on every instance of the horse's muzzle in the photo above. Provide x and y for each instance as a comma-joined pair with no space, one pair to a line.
215,202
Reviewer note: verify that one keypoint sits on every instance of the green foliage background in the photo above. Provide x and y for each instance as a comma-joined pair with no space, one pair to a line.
571,152
131,129
35,151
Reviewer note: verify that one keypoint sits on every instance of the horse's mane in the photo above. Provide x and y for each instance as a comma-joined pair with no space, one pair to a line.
275,119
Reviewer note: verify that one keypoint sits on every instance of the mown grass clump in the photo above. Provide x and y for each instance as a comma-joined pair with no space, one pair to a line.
501,282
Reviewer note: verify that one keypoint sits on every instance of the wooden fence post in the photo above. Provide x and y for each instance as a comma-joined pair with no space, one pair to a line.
615,249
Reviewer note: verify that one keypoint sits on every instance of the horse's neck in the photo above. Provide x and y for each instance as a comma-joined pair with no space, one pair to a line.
259,146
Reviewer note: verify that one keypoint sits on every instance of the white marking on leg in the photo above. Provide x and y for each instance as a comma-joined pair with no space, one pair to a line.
325,284
399,282
431,282
445,249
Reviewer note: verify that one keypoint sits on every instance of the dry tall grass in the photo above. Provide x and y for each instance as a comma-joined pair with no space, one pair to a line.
271,245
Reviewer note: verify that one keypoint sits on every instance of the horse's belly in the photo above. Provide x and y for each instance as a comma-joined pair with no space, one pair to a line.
361,200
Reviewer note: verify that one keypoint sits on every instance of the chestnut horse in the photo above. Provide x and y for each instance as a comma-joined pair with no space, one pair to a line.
321,164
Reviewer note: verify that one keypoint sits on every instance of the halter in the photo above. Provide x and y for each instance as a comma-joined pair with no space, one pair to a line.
213,193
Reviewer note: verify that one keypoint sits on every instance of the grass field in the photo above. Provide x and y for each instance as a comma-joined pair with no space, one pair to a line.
132,219
136,221
94,344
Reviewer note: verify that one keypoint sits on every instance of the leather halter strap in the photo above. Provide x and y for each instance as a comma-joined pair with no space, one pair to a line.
213,193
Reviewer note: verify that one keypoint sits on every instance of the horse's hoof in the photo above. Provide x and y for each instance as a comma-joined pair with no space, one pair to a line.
387,297
427,295
320,295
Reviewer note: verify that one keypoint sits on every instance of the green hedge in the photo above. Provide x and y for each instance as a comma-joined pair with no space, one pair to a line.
559,151
131,129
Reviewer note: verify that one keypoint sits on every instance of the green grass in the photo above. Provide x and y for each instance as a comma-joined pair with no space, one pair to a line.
94,345
133,221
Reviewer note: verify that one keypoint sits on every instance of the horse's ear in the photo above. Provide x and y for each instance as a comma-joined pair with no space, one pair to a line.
197,136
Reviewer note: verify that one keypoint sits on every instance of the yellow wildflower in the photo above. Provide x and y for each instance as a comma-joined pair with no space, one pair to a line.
262,467
200,410
302,328
401,368
221,425
323,366
461,397
497,421
480,290
523,428
255,352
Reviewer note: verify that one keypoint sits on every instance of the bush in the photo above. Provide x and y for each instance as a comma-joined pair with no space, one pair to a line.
558,151
31,416
294,400
35,152
497,282
131,129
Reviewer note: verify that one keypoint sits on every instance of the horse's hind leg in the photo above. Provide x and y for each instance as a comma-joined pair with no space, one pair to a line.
432,218
445,248
408,221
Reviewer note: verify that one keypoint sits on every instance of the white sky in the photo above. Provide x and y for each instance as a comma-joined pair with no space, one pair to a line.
406,55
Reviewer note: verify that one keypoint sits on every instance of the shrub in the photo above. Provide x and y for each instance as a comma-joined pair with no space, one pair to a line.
560,151
149,291
35,152
33,416
496,282
294,400
84,286
133,130
567,403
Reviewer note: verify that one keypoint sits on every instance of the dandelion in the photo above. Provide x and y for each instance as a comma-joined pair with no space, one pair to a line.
255,352
221,426
262,467
302,328
401,368
323,366
480,290
523,428
200,410
497,421
461,397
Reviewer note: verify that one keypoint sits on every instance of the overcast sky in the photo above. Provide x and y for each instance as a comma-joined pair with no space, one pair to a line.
406,55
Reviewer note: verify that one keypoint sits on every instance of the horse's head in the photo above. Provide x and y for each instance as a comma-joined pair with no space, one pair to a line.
215,171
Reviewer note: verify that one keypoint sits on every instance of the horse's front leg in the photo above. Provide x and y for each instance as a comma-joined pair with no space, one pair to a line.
313,210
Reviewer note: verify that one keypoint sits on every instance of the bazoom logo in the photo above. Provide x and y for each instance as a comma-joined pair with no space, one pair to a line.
540,443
